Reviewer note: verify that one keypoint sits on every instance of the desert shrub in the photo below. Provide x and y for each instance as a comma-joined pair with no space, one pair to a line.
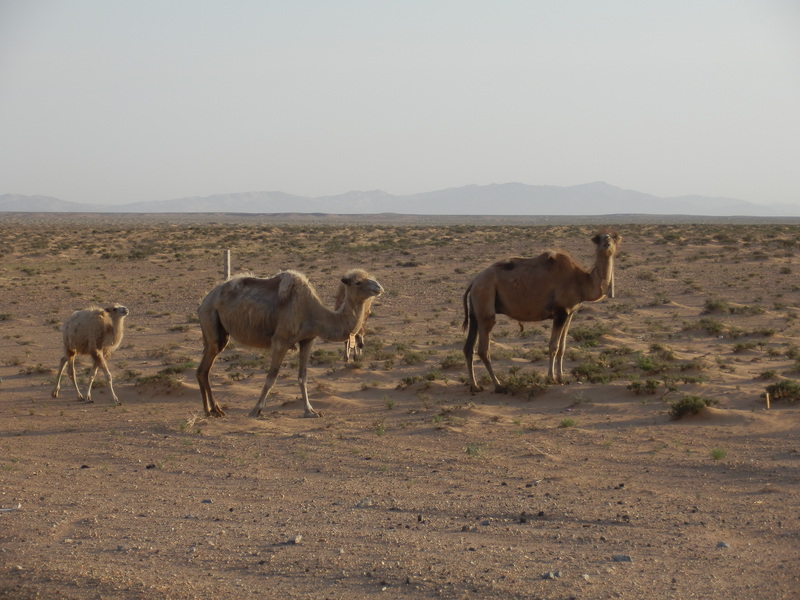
591,370
412,357
321,356
164,377
453,359
662,351
716,306
648,363
180,367
588,335
690,405
648,386
788,389
711,326
529,383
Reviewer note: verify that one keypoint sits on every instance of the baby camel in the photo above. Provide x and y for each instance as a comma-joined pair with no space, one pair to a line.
549,286
277,313
354,343
96,332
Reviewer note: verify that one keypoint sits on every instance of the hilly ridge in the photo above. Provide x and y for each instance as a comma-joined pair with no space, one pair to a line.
496,199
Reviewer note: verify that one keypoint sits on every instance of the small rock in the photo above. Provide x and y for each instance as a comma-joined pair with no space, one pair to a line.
586,577
296,539
723,545
150,466
551,575
206,501
364,502
621,558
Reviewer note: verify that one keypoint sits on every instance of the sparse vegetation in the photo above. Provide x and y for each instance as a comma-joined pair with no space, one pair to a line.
690,405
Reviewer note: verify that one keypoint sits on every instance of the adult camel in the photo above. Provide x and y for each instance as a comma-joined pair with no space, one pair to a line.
549,286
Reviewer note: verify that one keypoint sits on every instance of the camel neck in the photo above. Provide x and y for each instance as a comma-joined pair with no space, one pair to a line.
336,326
601,277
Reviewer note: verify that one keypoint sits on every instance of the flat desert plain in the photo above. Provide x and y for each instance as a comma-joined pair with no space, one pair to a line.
409,486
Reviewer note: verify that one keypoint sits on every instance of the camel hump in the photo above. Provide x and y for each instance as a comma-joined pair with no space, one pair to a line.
508,264
290,282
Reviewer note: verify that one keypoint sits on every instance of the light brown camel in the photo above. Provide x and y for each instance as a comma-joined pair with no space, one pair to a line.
549,286
276,313
96,332
354,343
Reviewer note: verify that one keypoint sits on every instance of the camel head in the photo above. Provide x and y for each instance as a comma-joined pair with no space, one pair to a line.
360,285
607,242
117,311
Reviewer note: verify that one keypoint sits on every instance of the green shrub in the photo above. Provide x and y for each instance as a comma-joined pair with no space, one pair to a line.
690,405
648,386
788,389
529,383
588,335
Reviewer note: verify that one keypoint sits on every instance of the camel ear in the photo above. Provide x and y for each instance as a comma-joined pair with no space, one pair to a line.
596,239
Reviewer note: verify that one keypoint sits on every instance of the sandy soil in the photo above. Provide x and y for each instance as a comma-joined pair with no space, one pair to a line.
409,485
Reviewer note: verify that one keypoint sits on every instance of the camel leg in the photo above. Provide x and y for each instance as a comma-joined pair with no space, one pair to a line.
562,347
484,329
359,347
104,366
349,346
74,376
96,358
60,373
469,354
558,342
278,353
210,405
302,377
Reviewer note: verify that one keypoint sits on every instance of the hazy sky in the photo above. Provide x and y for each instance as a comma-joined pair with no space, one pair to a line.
112,102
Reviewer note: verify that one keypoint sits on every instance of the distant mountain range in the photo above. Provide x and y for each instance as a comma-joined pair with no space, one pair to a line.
496,199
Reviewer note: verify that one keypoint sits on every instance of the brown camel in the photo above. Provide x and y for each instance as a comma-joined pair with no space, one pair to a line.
96,332
549,286
277,313
354,344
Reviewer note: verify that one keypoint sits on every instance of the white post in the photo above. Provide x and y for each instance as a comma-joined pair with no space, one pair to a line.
226,264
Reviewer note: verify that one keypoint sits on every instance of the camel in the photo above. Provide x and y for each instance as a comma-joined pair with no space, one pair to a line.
354,344
549,286
96,332
277,313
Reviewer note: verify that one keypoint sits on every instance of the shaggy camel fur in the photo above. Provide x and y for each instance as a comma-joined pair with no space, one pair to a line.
549,286
354,343
277,313
96,332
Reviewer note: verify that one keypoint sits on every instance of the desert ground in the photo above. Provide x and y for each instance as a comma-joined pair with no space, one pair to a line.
409,485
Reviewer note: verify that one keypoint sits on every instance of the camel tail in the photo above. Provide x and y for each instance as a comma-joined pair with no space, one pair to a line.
466,301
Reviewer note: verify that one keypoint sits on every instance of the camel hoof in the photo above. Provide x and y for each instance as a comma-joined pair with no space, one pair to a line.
254,414
312,414
475,389
54,393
